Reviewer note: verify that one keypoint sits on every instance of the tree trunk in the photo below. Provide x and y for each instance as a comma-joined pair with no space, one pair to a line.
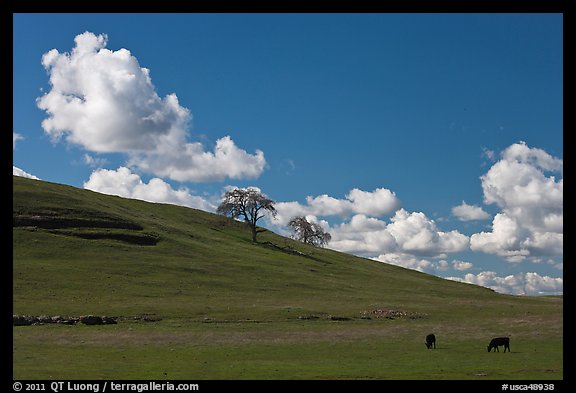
254,231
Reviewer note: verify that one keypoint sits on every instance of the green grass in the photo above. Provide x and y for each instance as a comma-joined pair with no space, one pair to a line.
278,350
230,308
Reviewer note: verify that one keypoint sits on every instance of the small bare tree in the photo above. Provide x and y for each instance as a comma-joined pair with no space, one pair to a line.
309,233
247,203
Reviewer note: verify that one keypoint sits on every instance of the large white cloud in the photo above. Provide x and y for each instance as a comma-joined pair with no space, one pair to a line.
124,183
104,101
530,223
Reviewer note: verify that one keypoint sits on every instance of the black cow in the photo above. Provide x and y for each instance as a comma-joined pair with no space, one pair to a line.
430,341
498,342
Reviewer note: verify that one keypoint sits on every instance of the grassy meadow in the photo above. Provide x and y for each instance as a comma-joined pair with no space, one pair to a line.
231,309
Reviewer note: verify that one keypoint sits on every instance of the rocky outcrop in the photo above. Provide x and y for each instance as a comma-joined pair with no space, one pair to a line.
96,320
392,314
29,320
91,320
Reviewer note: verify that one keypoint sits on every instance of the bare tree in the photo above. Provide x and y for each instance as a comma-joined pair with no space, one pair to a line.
309,233
247,203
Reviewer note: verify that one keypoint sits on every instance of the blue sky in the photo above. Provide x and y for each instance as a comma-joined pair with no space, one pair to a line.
432,141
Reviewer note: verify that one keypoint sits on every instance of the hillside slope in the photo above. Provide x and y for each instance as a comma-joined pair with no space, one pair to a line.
77,251
219,296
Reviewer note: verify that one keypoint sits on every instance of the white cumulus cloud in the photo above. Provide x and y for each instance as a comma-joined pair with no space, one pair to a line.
105,102
461,265
373,203
416,233
530,224
517,284
466,212
123,182
189,161
363,235
407,234
22,173
413,262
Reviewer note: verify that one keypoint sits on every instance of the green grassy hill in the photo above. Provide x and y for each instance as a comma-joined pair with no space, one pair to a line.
231,309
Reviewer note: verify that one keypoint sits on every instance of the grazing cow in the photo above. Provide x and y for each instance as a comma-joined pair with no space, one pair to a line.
498,342
430,341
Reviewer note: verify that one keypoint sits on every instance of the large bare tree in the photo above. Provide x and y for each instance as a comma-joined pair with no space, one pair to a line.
309,232
247,203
